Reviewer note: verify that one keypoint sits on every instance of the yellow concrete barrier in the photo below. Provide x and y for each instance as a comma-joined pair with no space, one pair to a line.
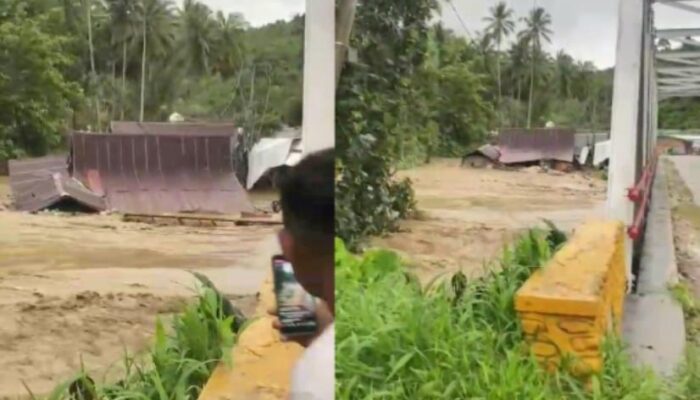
262,364
568,306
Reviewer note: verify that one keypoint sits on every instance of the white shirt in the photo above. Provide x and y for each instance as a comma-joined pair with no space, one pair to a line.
313,377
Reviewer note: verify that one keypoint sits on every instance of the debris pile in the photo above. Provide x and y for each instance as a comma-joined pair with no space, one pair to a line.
556,149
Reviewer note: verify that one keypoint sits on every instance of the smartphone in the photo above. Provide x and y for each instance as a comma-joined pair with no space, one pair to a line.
296,308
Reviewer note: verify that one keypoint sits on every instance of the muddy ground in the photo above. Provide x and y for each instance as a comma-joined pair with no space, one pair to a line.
466,216
90,287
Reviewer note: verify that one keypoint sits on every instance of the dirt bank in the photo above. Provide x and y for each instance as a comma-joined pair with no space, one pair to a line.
686,228
467,215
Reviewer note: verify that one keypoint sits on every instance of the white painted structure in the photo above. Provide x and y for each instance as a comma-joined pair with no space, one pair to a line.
318,126
626,114
601,153
271,153
643,76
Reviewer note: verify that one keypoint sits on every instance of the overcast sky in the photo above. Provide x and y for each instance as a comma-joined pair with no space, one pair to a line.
259,12
585,29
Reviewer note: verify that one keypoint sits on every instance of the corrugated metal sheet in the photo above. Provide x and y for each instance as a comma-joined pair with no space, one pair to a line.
160,173
40,183
522,145
172,128
490,152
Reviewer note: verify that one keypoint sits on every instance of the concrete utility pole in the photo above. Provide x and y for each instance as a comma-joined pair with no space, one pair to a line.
318,125
625,124
343,29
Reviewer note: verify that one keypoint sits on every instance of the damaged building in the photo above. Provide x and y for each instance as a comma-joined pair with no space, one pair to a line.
138,169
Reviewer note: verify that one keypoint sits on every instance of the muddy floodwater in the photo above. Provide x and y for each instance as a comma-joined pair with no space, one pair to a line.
91,286
467,215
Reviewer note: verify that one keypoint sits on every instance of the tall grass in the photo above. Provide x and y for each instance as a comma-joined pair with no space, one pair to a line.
396,340
178,364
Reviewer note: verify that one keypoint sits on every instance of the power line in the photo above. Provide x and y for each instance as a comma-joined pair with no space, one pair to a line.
459,17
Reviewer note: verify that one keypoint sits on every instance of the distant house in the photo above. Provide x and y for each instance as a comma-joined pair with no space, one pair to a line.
696,147
673,145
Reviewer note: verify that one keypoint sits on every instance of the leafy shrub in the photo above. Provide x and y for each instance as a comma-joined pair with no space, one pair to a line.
368,201
396,340
178,365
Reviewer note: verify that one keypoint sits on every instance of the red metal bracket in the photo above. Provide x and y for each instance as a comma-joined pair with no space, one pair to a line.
642,192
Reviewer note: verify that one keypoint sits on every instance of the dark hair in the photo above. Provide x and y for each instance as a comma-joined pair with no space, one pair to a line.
307,198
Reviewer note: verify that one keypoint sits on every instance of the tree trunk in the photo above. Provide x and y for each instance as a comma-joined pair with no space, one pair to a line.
143,71
123,96
343,28
532,91
93,73
113,108
498,74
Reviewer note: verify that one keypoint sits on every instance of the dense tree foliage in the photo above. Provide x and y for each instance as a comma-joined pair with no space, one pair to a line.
420,90
35,95
680,113
79,64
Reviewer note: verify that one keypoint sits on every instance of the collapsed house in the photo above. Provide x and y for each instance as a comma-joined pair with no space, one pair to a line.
147,171
485,156
674,145
519,146
522,147
45,182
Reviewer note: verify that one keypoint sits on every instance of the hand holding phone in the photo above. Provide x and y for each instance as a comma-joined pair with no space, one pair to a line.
296,309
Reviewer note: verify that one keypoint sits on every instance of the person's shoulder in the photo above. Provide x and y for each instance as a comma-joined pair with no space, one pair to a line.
314,374
320,351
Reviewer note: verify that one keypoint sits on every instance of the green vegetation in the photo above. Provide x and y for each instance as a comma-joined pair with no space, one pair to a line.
79,64
420,90
397,340
683,294
683,112
177,366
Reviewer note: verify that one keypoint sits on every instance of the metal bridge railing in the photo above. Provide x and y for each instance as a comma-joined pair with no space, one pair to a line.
640,194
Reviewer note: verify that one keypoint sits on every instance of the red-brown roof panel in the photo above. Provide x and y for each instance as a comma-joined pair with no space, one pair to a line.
161,173
522,145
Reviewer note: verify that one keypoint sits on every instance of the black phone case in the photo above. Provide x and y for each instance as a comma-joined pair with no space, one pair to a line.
295,307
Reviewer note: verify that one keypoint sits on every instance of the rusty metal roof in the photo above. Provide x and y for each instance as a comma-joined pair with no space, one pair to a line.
172,128
44,182
489,151
160,173
522,145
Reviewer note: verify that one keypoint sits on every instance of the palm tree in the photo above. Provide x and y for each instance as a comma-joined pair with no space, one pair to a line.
123,27
87,4
198,30
500,25
156,20
565,70
517,56
228,53
536,30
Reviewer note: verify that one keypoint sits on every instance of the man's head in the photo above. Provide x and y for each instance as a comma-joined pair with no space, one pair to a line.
307,198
